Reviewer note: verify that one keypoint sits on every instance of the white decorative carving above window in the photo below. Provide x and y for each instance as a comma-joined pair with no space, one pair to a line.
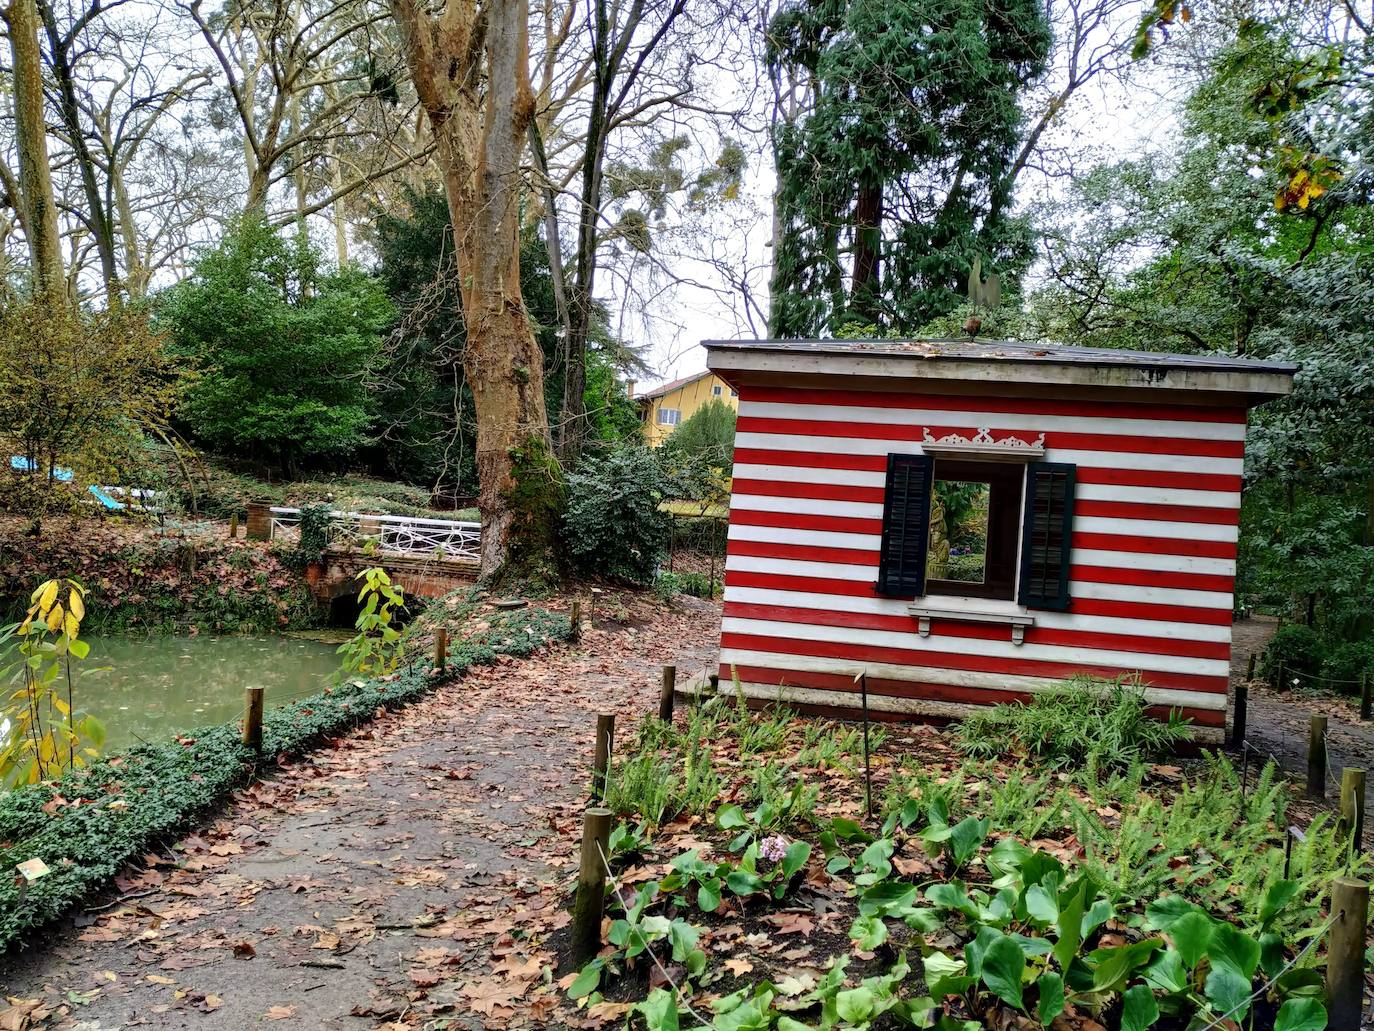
982,445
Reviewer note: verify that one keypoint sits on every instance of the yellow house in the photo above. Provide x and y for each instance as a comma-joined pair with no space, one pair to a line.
664,408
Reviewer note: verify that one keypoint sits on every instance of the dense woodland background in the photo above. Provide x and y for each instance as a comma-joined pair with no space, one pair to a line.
434,242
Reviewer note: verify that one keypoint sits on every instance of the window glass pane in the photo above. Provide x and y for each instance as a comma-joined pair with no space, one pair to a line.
958,531
716,390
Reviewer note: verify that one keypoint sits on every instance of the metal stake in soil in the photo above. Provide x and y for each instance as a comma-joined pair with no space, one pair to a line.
862,678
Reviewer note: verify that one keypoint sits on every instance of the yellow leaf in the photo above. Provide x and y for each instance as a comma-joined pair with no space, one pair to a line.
75,603
55,615
45,595
61,706
73,624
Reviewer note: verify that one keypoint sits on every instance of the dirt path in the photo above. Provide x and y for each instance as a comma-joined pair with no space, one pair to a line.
384,881
1278,722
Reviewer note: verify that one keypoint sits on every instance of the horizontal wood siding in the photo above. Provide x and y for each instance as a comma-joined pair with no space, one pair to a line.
1152,564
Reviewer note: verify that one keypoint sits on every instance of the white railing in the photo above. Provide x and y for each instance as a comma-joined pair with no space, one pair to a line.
403,535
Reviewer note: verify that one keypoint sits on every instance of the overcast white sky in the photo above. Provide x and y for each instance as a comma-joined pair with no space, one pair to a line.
1108,120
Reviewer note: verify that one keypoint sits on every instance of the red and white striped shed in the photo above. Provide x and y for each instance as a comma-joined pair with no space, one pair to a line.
1114,480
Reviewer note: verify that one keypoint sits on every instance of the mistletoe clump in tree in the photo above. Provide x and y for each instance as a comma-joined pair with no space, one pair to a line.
898,165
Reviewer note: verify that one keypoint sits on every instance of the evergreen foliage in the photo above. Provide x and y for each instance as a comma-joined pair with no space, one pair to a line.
613,526
1255,245
284,344
900,169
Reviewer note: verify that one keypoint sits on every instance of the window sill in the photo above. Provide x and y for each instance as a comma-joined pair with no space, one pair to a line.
975,611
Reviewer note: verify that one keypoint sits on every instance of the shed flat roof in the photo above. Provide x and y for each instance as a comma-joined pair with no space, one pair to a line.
1005,360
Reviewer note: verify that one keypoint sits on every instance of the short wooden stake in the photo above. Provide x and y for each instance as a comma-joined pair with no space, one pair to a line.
252,719
601,763
1238,717
1366,695
665,694
589,906
1352,807
233,525
1345,954
1250,669
1316,757
575,620
440,648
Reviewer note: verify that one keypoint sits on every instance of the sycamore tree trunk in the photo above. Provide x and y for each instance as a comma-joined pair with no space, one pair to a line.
36,200
471,72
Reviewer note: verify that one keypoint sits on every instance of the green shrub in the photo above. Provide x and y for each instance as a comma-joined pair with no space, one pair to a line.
1081,723
1297,648
612,526
698,585
1347,663
127,804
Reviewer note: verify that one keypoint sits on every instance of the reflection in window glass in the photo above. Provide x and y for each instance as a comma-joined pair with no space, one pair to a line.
958,531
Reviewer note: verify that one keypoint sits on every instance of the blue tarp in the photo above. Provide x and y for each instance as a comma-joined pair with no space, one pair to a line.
106,500
25,466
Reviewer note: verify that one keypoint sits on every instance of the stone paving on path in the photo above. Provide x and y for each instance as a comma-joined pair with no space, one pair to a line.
383,882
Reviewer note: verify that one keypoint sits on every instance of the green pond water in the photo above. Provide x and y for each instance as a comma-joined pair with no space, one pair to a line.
159,686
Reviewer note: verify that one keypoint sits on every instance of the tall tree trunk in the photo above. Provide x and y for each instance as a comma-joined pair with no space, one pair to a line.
868,223
98,216
479,147
31,140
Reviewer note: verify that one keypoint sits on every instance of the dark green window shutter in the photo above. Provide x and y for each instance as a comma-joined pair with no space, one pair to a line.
1047,535
906,526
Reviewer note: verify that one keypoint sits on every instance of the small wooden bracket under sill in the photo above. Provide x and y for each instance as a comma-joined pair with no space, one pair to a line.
1018,621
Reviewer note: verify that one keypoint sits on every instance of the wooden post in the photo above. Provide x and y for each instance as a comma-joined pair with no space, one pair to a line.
440,648
1366,695
1316,757
1250,669
589,906
252,719
233,525
259,521
601,763
575,619
1238,717
1345,954
665,694
1352,806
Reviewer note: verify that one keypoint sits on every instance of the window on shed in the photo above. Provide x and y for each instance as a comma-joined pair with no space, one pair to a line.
954,526
716,390
669,416
975,517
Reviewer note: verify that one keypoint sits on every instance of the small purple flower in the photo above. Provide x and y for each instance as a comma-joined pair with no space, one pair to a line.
773,848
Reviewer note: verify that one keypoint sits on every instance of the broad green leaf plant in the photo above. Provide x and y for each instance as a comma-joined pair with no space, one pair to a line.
376,649
44,734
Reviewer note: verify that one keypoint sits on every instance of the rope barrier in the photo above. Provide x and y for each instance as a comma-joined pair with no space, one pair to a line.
677,992
1331,920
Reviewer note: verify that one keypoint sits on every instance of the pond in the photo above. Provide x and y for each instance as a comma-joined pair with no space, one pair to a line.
160,686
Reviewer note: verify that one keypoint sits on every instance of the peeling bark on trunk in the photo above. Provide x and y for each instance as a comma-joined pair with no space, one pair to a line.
480,139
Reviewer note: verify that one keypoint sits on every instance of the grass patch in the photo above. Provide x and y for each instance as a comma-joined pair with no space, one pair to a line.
1080,724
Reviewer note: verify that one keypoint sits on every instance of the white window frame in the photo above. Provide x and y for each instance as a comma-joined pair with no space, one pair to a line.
669,416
